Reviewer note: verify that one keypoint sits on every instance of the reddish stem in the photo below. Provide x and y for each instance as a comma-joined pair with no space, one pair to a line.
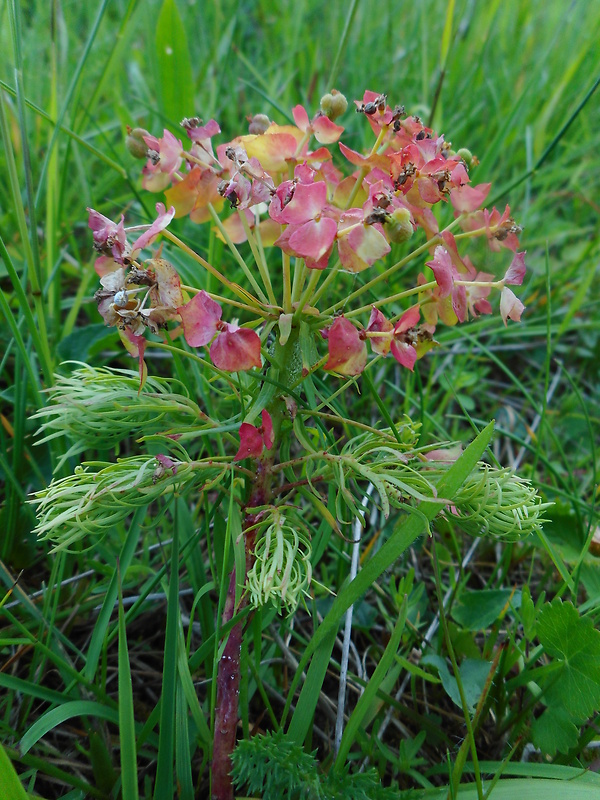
228,673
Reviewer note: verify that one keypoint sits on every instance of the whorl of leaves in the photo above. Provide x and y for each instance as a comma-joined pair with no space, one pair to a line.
498,503
100,407
99,495
273,767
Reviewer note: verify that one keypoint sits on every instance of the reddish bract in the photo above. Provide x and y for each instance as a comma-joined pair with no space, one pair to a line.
235,349
252,439
200,318
347,351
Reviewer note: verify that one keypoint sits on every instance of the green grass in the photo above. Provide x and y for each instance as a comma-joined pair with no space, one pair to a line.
108,654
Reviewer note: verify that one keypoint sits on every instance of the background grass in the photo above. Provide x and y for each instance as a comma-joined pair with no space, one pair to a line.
512,81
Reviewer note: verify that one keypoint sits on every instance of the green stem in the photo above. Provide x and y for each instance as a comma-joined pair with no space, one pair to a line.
235,288
258,258
300,271
308,292
237,255
226,301
399,296
384,276
329,278
287,283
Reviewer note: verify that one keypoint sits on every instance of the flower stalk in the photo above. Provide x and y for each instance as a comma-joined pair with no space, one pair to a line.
228,671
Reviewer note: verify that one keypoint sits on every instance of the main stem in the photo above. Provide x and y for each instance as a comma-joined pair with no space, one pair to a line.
228,673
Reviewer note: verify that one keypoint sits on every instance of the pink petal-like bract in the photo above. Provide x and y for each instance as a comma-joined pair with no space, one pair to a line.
442,270
314,238
200,318
236,349
469,198
272,149
368,243
102,226
404,354
267,429
182,195
159,224
326,131
251,442
516,272
408,320
170,151
308,201
135,346
379,324
510,306
347,351
168,289
204,132
448,454
301,118
108,235
167,462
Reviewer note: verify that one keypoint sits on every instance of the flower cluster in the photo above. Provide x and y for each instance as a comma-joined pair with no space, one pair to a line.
269,188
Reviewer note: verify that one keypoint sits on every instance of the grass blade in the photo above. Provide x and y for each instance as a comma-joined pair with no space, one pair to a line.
129,780
166,744
56,716
367,697
10,785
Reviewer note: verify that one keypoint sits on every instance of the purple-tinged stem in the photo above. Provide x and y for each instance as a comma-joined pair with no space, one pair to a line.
228,672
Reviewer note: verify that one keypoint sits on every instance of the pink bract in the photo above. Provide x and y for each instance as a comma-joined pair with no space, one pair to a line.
347,351
200,318
252,439
510,306
236,349
251,442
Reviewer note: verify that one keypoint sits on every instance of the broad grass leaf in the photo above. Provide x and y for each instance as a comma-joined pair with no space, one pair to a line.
526,789
175,77
9,780
77,346
56,716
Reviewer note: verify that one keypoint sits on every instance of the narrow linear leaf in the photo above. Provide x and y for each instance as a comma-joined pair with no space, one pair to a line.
175,76
367,697
166,745
101,626
57,716
129,781
10,785
526,789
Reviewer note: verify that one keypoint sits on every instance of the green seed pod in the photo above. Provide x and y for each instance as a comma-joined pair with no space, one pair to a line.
399,227
333,104
259,124
468,157
135,143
